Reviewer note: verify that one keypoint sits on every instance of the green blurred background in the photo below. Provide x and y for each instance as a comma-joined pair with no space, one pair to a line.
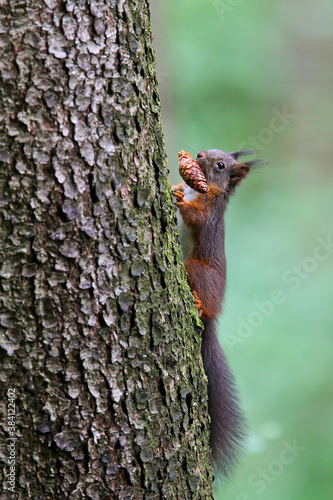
225,70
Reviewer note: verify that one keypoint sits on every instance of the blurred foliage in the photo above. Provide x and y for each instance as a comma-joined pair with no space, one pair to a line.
225,70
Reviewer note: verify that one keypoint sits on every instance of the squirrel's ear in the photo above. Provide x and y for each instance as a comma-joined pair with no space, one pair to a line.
238,172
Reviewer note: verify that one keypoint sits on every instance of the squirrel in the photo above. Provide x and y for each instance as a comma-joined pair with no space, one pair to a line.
202,242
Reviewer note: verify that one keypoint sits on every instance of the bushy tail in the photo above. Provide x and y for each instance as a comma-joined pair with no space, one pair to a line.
227,420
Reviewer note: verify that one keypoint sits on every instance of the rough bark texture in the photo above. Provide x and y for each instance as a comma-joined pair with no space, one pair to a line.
99,336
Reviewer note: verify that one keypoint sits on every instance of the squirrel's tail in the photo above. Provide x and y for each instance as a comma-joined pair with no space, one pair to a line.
227,420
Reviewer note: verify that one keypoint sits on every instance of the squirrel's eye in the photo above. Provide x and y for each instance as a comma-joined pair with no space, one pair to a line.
220,165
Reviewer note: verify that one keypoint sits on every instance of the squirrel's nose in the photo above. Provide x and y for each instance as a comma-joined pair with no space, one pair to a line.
201,154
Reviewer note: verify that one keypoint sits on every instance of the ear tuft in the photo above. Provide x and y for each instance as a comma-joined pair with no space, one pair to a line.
260,162
243,152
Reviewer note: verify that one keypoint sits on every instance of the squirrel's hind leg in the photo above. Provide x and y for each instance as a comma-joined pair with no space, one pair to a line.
198,303
206,284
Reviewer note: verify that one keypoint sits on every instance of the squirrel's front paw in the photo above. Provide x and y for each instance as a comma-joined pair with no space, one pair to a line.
179,195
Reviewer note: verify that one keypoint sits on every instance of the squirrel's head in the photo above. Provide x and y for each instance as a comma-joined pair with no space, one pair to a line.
223,170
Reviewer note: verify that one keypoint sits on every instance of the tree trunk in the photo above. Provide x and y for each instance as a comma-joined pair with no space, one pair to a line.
101,372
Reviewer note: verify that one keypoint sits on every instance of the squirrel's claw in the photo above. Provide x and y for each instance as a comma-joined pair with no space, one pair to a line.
197,303
179,195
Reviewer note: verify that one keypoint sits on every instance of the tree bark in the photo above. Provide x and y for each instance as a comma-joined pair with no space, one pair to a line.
99,340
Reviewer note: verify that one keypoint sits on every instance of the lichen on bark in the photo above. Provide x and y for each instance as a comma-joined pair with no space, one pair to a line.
99,335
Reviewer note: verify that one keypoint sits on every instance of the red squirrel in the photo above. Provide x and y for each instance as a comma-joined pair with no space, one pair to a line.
205,263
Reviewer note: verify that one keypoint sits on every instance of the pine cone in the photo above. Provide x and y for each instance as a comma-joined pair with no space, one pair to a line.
192,173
